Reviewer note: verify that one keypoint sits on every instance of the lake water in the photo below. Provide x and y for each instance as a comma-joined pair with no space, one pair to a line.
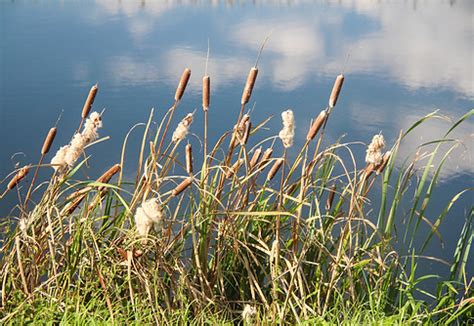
406,59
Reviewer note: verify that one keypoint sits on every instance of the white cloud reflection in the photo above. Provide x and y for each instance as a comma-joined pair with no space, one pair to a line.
420,45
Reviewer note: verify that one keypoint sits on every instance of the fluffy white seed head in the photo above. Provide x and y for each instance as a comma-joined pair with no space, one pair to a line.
183,128
147,215
374,150
69,154
287,134
58,161
76,148
91,126
249,314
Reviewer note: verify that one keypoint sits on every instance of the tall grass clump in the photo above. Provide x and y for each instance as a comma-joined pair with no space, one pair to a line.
240,234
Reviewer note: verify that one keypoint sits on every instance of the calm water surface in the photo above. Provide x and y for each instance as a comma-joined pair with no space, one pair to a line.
407,58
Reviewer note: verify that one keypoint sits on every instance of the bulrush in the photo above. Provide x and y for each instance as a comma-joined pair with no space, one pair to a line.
321,118
147,215
234,168
183,128
89,101
246,134
252,76
189,159
58,161
48,141
255,157
382,165
20,175
276,166
287,134
239,131
206,92
336,89
266,155
182,186
183,82
105,178
374,150
68,155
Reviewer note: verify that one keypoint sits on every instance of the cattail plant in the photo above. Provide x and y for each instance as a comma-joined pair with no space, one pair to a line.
183,128
266,155
374,150
189,159
276,166
234,168
255,158
317,123
148,214
20,175
249,84
246,134
105,178
89,101
183,82
385,159
206,92
67,155
287,134
182,186
78,196
336,89
48,141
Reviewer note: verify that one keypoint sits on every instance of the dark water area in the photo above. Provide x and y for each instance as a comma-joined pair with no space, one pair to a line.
406,59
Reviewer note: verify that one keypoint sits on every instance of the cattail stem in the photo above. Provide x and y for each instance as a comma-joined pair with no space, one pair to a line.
35,175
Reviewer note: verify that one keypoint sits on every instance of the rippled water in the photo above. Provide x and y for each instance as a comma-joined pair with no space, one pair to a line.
405,59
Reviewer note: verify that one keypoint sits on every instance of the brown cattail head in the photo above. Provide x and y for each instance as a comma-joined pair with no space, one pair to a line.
182,84
369,169
245,136
189,159
266,155
252,76
234,168
206,92
48,141
382,165
104,178
316,125
330,199
20,175
255,157
336,89
90,99
276,166
182,186
72,205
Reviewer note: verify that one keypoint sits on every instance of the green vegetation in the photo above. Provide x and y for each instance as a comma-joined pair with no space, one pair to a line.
250,237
